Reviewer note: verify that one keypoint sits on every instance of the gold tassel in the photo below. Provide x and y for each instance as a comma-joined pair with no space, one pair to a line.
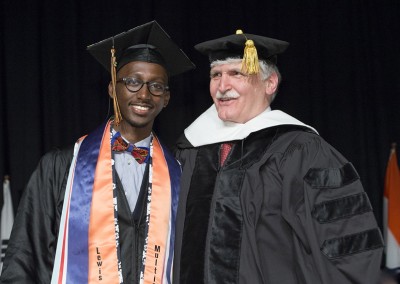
117,112
250,63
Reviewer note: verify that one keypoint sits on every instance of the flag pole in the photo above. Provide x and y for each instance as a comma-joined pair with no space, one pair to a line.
7,218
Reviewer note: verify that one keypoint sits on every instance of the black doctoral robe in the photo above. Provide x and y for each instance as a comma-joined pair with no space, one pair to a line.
33,242
285,208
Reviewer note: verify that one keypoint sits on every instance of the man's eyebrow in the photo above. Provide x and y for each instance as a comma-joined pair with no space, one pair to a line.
233,68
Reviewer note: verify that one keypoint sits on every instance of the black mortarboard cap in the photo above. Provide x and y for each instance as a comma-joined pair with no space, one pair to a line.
148,43
234,46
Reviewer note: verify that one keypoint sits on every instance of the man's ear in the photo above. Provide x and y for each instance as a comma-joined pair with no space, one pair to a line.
271,84
110,90
167,96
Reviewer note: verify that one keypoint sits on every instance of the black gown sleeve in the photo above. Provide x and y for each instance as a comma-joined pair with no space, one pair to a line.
335,231
33,241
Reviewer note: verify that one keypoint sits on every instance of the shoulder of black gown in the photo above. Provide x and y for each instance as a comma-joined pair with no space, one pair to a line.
183,143
31,249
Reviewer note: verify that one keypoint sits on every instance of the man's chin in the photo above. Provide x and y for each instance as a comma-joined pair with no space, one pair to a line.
225,118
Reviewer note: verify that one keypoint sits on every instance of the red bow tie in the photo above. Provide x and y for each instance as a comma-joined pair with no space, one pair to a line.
141,154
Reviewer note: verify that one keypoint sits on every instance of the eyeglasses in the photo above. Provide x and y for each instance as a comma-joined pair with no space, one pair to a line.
134,85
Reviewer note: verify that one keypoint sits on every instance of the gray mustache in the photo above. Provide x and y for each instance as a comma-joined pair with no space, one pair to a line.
231,94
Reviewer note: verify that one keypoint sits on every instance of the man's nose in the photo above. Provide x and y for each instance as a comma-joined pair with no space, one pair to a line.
224,83
144,92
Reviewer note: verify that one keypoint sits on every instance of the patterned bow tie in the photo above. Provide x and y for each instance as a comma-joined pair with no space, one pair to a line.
141,154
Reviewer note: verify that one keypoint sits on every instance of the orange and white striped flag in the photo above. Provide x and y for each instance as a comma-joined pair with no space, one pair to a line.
392,211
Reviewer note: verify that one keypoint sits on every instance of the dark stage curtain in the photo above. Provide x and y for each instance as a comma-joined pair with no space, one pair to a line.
340,73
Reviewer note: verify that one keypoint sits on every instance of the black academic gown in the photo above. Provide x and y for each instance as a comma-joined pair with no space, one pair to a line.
33,242
285,208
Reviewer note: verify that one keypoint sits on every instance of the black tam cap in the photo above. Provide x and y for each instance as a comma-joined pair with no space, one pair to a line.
247,46
148,43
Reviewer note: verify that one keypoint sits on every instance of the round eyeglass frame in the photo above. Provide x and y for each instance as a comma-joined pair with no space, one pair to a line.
148,83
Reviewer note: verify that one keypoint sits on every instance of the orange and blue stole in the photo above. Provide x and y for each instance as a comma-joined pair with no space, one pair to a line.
88,240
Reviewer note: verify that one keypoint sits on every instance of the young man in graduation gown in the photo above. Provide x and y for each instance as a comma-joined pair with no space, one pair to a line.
283,206
104,211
